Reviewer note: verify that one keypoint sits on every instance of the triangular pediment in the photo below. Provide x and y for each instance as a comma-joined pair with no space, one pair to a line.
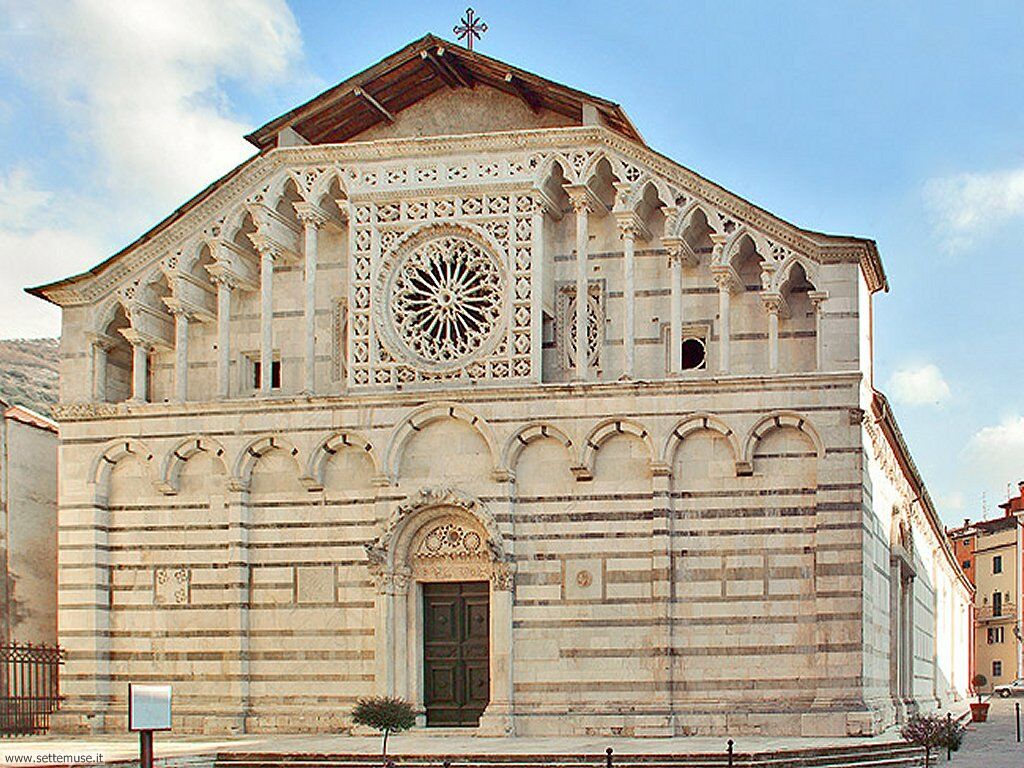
407,94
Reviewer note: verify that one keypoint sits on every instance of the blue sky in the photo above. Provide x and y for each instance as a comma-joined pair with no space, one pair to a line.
898,121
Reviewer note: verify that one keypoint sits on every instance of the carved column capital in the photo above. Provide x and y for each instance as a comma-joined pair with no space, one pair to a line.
267,246
772,303
179,308
138,340
311,214
503,577
101,341
679,250
582,198
391,582
718,241
726,279
632,226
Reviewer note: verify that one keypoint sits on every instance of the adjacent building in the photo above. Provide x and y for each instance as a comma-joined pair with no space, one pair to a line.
991,553
459,391
28,527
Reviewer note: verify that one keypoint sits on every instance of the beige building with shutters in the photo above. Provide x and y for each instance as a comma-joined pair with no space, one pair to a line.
458,391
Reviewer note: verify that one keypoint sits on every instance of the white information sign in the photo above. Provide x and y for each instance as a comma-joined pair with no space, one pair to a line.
149,707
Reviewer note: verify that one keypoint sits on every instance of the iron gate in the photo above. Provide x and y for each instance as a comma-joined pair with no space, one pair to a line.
29,687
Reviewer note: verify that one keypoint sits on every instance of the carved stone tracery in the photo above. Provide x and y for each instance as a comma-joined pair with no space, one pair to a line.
565,325
445,300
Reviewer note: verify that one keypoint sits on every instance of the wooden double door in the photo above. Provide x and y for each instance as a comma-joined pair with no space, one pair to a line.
456,652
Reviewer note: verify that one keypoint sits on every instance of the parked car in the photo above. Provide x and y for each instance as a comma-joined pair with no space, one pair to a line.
1016,688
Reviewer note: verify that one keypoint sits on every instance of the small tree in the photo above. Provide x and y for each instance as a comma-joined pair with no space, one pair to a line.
386,714
952,733
928,731
979,681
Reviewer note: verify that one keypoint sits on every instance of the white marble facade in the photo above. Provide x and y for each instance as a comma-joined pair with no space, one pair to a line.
694,512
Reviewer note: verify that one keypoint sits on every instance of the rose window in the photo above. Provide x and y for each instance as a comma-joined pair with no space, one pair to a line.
445,299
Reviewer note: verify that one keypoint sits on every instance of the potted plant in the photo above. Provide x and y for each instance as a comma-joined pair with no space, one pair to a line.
928,731
979,708
386,714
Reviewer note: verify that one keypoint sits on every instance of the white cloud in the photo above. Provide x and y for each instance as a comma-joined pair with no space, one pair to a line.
139,88
22,200
922,385
141,83
995,455
30,258
953,502
968,206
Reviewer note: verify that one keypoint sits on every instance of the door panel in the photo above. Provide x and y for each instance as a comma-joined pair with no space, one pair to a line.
456,652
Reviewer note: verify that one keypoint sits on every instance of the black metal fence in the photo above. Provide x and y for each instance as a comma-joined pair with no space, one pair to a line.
29,687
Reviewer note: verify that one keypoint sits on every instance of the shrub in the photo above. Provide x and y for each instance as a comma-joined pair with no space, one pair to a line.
386,714
979,681
952,734
931,732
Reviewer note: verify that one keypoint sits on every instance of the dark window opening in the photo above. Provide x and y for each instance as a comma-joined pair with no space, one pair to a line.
997,564
694,355
275,374
997,603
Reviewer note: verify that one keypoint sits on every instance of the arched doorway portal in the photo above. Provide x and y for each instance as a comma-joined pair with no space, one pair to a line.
444,611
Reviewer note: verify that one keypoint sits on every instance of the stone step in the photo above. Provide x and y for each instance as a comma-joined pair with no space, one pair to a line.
886,755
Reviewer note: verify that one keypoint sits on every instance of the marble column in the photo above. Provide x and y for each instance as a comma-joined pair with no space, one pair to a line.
140,367
497,718
818,301
628,233
724,281
266,318
312,219
101,345
181,318
537,293
676,329
224,288
773,305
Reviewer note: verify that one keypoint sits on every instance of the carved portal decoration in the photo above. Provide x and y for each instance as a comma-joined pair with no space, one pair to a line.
445,301
439,535
451,540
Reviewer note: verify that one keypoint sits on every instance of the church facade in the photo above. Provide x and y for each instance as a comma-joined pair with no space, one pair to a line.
457,391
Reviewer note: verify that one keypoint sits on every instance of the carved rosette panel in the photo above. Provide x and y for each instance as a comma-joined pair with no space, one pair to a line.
171,586
450,294
451,540
450,550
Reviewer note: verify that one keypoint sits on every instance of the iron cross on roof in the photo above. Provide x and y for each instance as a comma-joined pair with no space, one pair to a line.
471,27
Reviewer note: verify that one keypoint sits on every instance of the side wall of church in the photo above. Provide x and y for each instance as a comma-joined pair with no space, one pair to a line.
899,541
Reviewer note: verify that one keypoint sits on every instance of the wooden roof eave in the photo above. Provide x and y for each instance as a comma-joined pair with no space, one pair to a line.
473,66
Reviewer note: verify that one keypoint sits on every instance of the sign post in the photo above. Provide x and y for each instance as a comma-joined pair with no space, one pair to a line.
149,709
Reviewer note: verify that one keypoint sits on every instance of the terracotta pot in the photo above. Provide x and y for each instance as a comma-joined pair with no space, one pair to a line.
979,711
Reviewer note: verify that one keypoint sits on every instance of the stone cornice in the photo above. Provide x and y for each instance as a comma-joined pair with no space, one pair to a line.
68,412
894,456
259,170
